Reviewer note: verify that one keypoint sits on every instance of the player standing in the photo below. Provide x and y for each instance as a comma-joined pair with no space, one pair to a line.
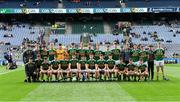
116,52
60,52
135,54
107,52
52,52
97,52
159,60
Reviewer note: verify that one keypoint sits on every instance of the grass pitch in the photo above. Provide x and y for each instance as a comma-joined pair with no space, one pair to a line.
12,88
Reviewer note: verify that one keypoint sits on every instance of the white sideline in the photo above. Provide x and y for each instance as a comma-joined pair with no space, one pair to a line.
9,71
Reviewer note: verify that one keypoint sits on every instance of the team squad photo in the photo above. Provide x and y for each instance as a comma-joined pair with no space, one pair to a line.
89,50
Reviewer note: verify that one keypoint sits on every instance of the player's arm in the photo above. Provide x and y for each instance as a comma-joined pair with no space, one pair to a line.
114,67
96,66
126,68
49,68
78,66
41,68
69,66
106,65
146,69
59,66
87,66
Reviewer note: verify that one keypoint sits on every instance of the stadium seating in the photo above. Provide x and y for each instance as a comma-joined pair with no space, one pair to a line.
88,27
19,33
163,32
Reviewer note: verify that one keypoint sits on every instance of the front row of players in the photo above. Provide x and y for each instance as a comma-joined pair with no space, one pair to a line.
85,69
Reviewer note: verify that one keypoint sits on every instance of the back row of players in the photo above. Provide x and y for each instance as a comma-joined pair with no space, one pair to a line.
116,64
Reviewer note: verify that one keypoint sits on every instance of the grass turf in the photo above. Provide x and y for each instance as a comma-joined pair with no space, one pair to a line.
12,88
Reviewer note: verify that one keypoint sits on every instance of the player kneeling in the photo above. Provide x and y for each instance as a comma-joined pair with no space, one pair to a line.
131,72
111,68
121,67
55,70
143,70
45,68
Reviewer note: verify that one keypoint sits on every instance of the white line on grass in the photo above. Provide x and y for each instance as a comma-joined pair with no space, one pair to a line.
9,71
80,92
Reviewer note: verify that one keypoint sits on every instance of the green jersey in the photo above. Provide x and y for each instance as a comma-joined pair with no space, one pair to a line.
135,55
159,54
121,66
131,66
52,54
30,67
107,54
55,65
91,63
72,51
88,53
44,53
111,63
37,53
45,66
101,63
81,52
142,67
144,55
38,63
64,64
73,63
116,54
97,54
83,64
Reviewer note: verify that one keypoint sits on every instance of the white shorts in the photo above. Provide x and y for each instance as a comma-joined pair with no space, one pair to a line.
73,70
159,63
146,63
136,63
92,70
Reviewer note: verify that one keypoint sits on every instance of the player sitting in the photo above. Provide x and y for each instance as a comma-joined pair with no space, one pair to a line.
131,70
82,66
45,68
38,63
143,70
121,66
101,65
111,67
73,67
64,64
55,69
91,67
